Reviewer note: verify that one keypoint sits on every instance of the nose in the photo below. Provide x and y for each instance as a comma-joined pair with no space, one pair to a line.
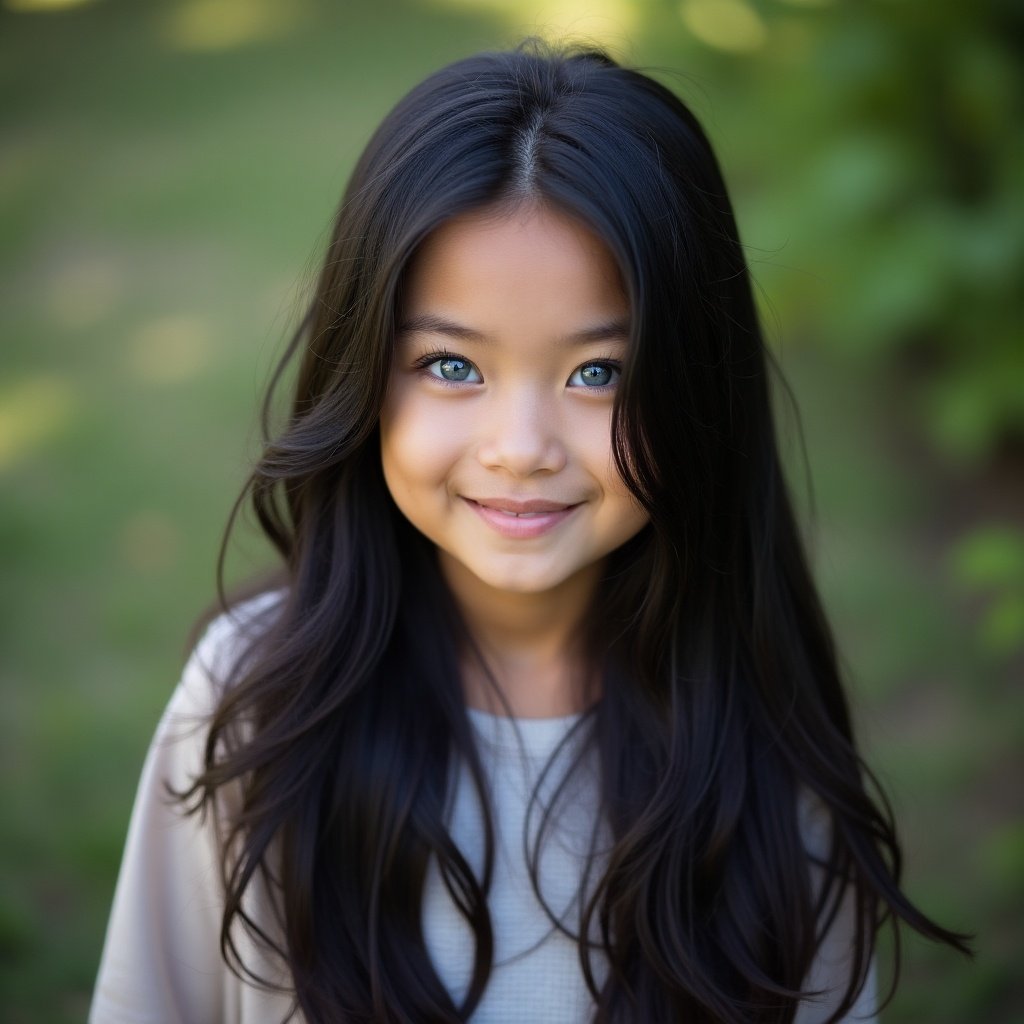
523,435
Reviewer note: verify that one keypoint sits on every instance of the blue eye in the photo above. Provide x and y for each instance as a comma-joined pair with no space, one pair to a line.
454,370
594,375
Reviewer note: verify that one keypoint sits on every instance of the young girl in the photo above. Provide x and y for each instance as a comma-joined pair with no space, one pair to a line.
542,719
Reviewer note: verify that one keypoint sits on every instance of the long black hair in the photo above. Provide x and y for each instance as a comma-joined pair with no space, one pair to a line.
722,709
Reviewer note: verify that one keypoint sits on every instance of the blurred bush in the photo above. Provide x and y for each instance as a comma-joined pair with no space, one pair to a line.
895,154
876,150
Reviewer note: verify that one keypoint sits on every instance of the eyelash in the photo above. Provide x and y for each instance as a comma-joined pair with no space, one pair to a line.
430,358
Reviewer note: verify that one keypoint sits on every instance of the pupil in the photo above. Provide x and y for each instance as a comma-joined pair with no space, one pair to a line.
454,369
596,375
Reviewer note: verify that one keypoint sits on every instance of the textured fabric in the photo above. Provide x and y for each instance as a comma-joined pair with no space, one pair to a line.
162,960
536,974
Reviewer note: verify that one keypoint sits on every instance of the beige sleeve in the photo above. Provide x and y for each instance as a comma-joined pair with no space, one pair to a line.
830,971
161,960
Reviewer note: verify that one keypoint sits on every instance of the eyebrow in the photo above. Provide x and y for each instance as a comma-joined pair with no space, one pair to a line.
429,323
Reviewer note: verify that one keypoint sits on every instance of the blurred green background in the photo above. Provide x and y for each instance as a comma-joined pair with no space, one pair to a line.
167,175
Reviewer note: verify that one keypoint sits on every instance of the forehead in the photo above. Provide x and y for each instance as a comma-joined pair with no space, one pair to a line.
534,259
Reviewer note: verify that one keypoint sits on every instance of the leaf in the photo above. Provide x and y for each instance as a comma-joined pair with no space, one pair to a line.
990,557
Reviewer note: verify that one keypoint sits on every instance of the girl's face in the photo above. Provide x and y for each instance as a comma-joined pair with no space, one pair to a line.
496,430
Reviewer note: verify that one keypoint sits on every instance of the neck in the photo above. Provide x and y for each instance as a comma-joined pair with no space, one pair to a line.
528,644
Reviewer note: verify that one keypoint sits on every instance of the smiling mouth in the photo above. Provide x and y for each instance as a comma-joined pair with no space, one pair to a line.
522,509
522,520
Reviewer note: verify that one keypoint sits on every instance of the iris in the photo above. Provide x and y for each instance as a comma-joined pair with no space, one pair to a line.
454,369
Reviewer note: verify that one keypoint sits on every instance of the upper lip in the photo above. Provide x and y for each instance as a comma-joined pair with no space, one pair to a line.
519,506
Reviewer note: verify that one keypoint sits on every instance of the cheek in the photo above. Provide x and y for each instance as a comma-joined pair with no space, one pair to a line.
417,447
631,519
625,515
595,448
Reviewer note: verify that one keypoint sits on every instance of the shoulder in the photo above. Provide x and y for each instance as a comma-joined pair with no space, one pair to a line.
177,748
225,643
162,958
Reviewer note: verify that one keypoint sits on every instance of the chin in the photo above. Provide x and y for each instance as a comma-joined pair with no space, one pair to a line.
513,579
518,584
518,579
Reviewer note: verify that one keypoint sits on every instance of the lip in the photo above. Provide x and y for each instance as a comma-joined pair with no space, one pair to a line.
520,519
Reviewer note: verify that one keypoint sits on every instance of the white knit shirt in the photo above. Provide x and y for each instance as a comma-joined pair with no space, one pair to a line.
536,965
161,961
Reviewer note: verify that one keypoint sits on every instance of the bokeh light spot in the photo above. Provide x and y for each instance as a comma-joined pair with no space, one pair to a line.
730,25
32,412
32,6
585,19
212,25
171,349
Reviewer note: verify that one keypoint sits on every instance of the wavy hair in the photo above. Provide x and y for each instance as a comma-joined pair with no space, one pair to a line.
721,699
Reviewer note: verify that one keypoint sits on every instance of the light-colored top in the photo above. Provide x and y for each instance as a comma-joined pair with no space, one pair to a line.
161,960
536,974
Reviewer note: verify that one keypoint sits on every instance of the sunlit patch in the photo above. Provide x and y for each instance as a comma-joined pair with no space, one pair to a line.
30,6
210,25
609,20
149,541
171,349
730,25
84,291
32,412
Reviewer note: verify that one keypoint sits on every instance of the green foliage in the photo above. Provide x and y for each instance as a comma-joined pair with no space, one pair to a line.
1003,859
878,149
990,562
888,172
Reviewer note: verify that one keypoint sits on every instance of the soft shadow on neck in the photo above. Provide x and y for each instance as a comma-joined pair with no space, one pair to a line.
525,655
